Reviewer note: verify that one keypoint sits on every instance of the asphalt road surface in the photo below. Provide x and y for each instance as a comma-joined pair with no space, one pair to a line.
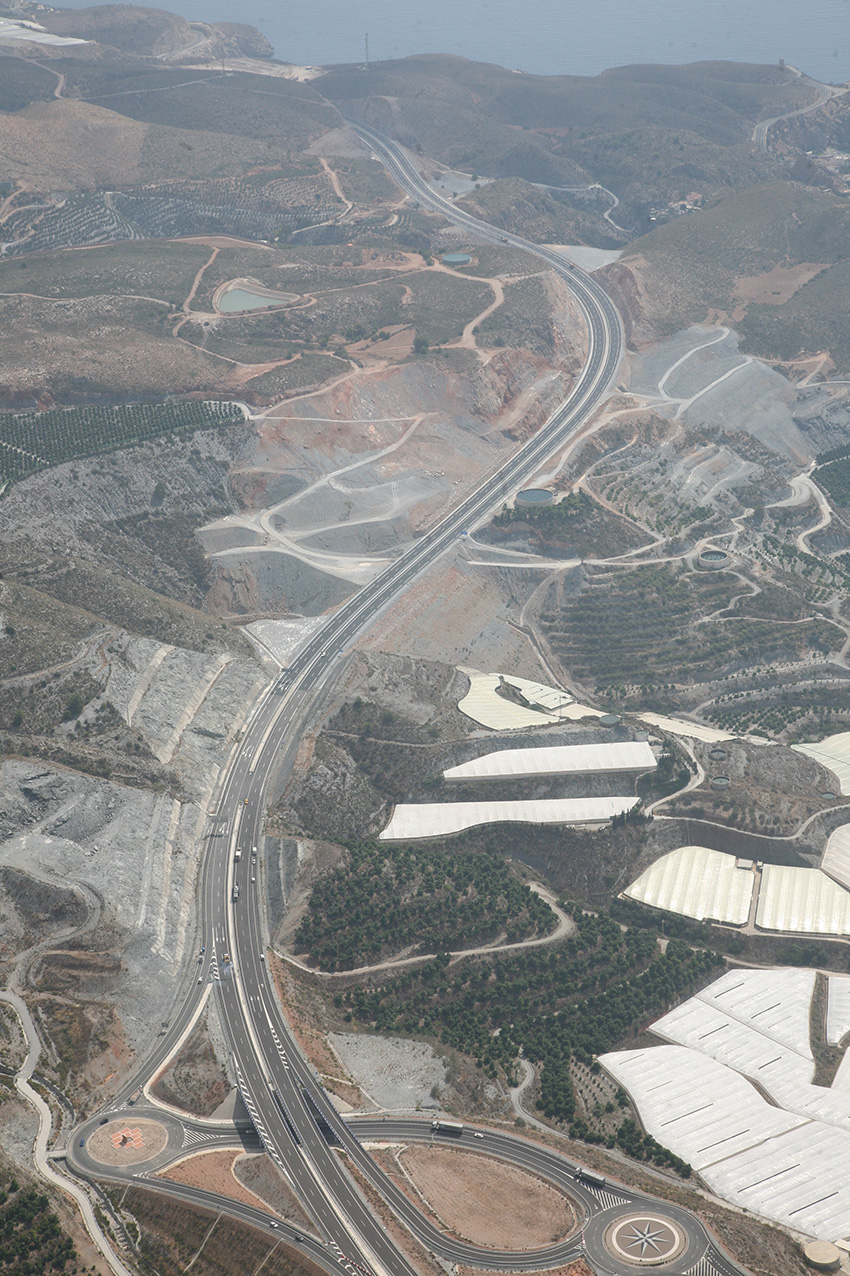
823,92
291,1113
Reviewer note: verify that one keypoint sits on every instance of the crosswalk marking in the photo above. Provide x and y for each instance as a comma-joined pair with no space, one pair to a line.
705,1267
193,1136
608,1200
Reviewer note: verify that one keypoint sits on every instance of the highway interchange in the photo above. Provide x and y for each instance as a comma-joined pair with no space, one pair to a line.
290,1111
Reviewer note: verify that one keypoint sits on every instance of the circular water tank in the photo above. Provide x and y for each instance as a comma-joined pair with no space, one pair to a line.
717,755
713,559
829,797
456,259
720,782
822,1255
534,496
609,720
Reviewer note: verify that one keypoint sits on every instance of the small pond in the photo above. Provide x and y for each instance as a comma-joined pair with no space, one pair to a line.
234,300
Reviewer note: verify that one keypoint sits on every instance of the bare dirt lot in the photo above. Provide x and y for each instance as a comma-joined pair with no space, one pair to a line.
486,1202
213,1171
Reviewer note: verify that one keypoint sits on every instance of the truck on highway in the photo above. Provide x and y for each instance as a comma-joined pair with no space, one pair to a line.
238,854
452,1129
591,1178
235,895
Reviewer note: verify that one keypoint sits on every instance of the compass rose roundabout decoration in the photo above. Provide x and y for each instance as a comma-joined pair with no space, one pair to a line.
645,1240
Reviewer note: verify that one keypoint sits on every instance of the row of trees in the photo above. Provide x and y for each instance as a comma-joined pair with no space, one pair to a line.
31,441
643,1147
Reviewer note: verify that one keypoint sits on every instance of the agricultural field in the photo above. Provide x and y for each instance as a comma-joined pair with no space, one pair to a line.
36,440
161,270
810,321
679,633
347,307
367,757
386,899
574,1000
365,181
158,330
307,372
275,209
302,269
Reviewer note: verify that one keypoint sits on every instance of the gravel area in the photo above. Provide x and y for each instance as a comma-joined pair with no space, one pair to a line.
398,1075
261,1177
19,1126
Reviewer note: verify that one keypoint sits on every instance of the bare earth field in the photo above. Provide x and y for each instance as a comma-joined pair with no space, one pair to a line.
486,1202
214,1172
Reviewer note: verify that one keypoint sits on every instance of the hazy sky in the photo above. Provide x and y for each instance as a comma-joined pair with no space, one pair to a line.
549,36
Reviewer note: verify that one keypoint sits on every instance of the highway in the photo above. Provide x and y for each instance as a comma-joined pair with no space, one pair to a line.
823,93
291,1113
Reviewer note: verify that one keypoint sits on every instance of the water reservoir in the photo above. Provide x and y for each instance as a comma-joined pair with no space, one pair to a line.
234,299
717,755
535,496
721,782
713,559
456,259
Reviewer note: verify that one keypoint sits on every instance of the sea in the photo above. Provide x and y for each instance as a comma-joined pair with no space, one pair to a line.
547,37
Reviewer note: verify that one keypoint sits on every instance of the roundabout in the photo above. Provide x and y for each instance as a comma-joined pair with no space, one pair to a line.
130,1142
644,1240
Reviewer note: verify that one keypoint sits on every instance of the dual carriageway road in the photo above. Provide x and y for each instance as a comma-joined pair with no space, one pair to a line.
288,1107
